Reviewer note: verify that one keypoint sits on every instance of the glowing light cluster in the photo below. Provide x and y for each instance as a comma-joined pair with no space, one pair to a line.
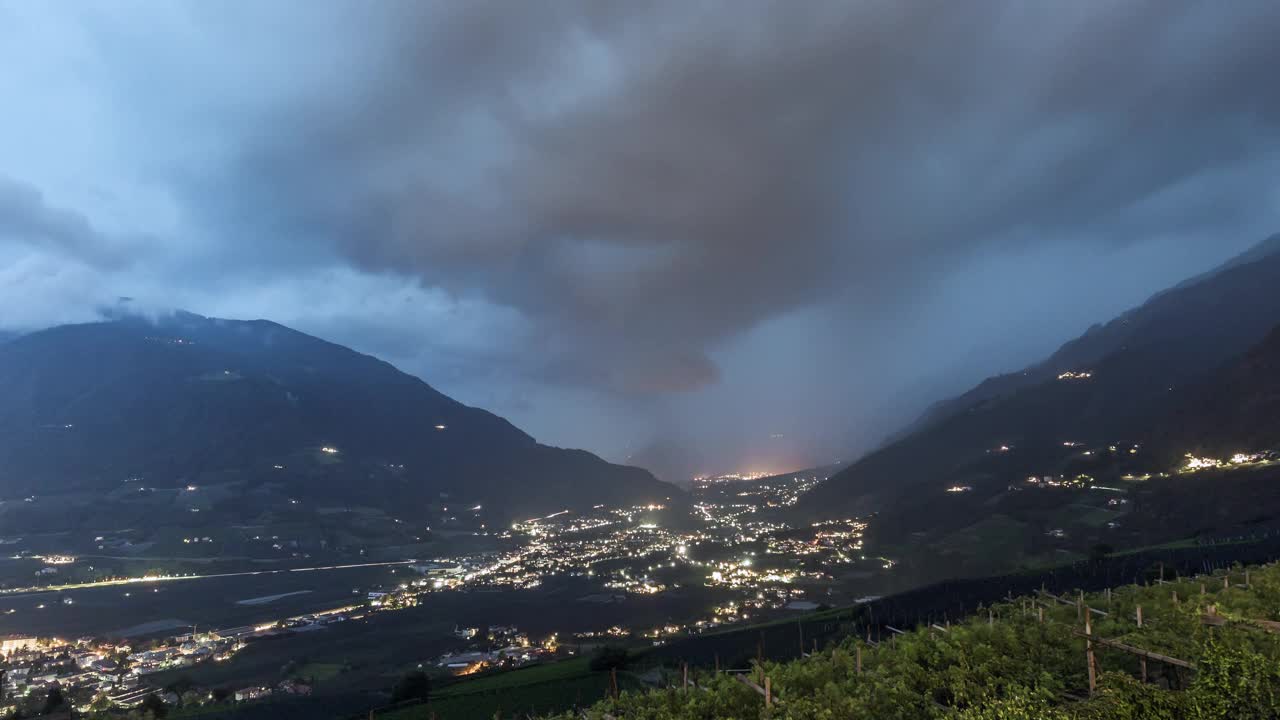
1075,375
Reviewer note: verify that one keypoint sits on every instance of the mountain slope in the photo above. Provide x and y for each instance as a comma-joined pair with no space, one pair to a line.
1231,306
1139,362
192,400
1237,409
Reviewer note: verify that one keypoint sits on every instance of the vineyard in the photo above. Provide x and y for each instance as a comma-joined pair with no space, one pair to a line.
1203,646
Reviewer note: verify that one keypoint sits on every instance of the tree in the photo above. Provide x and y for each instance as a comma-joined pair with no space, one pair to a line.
610,657
54,700
155,706
101,703
413,686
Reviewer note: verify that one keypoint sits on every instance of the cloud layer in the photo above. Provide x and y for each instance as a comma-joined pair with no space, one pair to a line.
642,209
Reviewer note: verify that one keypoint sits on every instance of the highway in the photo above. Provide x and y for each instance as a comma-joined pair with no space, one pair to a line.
20,592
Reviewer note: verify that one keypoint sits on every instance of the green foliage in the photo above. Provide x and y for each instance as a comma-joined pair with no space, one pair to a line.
1016,667
539,689
1122,697
1234,682
1020,704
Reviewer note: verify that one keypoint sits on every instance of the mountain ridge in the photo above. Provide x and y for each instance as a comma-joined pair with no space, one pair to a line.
1099,340
1136,361
187,399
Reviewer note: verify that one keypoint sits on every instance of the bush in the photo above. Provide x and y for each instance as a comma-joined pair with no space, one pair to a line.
610,657
413,686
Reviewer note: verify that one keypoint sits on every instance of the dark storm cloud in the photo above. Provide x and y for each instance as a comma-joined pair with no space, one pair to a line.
727,224
645,181
26,217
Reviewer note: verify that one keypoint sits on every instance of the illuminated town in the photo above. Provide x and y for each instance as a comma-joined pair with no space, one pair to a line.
98,674
730,542
1075,375
731,539
735,543
1197,463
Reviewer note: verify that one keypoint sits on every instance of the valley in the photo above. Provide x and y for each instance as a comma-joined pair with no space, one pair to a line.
726,546
232,518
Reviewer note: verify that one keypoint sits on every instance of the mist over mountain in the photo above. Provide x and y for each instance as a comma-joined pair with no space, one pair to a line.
190,400
1151,361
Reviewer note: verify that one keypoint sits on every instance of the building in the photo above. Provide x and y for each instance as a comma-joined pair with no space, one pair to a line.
10,644
466,663
252,693
131,698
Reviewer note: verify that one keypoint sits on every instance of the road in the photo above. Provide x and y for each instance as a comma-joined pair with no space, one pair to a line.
20,592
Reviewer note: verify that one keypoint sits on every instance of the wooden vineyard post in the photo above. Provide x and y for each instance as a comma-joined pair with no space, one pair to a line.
859,657
1088,654
685,668
1172,661
613,682
1175,597
991,617
768,692
1202,590
1142,661
1108,596
1040,612
815,646
1226,581
1079,604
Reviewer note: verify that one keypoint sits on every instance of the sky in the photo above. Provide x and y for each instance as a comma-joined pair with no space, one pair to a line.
699,236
